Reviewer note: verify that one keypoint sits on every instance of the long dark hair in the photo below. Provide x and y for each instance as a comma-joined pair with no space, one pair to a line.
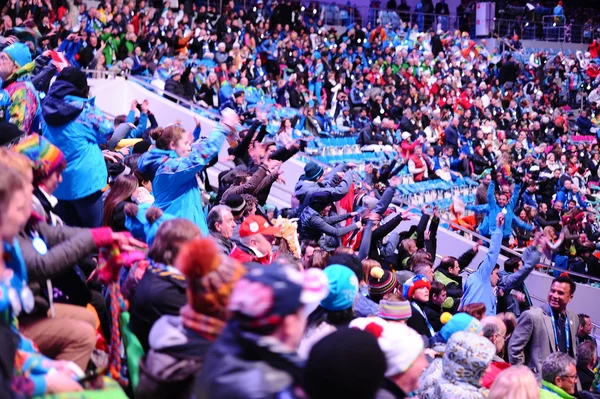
121,190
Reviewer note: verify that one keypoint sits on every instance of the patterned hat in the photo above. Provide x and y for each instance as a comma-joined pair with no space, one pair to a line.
413,284
46,157
267,294
381,282
394,310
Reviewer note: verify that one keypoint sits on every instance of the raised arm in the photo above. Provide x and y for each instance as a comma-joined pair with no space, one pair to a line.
487,266
530,258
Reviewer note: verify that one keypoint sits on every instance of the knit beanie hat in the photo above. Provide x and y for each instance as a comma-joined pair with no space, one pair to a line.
343,288
236,203
77,77
400,344
460,322
381,282
347,363
394,310
19,53
413,284
46,157
210,276
312,171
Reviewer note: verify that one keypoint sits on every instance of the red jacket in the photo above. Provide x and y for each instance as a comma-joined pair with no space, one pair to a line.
420,162
408,149
242,256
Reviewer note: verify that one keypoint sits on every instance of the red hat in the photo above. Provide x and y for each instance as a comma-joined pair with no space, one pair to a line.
257,225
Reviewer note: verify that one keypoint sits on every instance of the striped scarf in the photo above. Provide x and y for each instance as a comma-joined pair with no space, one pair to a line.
206,326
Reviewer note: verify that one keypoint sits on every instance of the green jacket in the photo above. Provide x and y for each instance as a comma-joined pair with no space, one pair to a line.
551,391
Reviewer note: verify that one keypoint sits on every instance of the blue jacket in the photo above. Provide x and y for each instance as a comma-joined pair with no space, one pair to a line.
478,287
139,130
76,126
565,196
529,199
509,216
174,183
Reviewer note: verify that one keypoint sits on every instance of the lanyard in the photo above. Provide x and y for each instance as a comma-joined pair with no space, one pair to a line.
418,309
567,333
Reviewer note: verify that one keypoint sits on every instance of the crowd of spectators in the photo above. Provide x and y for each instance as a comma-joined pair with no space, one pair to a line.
123,267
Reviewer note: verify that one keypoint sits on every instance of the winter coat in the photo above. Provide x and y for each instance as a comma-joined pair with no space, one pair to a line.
65,247
242,365
494,209
160,292
174,182
454,283
313,225
23,107
417,321
306,188
478,287
465,361
76,126
174,361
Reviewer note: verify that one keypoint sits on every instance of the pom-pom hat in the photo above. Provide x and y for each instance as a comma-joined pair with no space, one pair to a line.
413,284
381,282
46,157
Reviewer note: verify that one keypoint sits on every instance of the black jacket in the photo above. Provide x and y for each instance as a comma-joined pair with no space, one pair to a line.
160,292
434,313
417,322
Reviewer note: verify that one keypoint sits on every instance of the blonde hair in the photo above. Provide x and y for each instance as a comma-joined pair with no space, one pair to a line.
367,265
16,161
516,382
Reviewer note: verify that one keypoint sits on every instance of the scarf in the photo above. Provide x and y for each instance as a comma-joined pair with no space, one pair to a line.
206,326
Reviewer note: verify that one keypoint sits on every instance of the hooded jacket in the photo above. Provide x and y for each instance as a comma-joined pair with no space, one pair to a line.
466,358
174,182
244,365
76,126
306,188
175,358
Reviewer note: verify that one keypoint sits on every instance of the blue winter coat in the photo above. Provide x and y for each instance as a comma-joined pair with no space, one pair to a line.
478,288
76,126
174,183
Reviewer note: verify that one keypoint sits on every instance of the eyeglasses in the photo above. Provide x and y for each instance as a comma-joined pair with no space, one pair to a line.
571,377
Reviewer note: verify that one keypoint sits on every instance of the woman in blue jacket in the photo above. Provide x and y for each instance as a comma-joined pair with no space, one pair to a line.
74,124
174,163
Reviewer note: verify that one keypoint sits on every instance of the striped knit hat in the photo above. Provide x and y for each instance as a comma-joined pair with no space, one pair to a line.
46,157
413,284
381,282
394,310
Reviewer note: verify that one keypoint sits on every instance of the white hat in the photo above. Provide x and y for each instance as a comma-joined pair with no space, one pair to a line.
400,344
405,135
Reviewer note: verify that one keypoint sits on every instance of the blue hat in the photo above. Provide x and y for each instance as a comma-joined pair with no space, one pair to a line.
312,171
343,288
139,226
460,322
19,53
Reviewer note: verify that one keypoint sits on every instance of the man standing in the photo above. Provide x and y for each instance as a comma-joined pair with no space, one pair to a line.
585,329
512,279
544,330
479,287
20,103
